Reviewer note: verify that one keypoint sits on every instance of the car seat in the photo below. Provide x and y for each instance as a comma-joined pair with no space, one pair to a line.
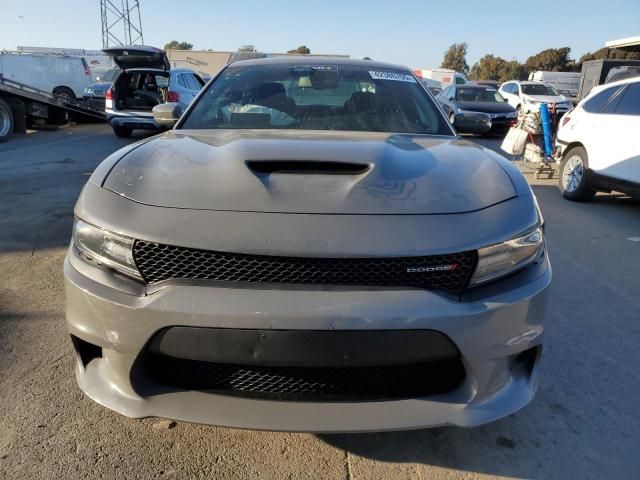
273,95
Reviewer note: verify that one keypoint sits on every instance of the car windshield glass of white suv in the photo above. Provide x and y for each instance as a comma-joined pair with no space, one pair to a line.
479,95
317,97
538,89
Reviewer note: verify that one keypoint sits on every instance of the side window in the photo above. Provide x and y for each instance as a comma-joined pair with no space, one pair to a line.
598,102
515,89
448,92
199,81
629,104
181,81
194,84
507,88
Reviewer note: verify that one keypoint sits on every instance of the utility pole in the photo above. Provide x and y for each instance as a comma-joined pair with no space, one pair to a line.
121,24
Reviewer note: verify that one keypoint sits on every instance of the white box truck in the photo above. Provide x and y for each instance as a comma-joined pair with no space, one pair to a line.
443,75
567,83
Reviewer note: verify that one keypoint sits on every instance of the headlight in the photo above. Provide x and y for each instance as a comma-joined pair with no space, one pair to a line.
105,248
507,257
531,101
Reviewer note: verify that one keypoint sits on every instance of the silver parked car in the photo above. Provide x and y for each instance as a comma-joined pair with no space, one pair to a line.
311,248
146,80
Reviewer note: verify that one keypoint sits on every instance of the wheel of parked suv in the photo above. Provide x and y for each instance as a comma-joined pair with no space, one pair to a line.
6,121
64,93
574,180
122,132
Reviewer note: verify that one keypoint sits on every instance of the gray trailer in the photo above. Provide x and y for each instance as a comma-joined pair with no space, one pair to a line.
597,72
22,106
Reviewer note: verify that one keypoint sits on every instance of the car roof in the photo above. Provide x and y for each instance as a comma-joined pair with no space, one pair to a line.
624,81
475,85
313,60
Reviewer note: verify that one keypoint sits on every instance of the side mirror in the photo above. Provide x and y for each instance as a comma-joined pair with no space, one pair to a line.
476,123
167,114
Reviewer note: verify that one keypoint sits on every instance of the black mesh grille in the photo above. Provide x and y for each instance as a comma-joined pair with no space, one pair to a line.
158,262
305,383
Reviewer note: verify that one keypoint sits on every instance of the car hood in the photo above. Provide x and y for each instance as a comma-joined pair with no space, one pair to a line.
310,172
486,107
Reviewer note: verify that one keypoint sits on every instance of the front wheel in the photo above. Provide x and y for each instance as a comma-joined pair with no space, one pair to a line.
452,118
574,180
64,93
6,121
122,132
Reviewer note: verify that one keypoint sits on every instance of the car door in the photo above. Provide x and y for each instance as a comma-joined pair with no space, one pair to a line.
445,99
604,134
507,91
625,140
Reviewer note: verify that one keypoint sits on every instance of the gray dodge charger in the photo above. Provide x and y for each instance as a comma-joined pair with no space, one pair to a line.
311,247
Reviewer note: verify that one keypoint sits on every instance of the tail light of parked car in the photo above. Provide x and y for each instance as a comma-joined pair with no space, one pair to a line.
173,96
108,99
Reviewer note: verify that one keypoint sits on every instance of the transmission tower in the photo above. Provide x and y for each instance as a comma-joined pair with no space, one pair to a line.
121,24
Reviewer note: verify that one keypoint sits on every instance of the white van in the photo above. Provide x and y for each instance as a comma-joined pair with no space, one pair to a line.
567,83
61,75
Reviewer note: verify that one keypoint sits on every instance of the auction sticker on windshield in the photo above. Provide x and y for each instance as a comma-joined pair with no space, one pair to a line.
398,77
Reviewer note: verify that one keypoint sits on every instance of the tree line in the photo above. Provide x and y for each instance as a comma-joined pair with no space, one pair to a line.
176,45
491,67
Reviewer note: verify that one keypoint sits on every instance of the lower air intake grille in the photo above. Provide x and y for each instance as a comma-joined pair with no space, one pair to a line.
307,383
158,262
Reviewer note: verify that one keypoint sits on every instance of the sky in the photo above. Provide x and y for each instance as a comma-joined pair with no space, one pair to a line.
409,32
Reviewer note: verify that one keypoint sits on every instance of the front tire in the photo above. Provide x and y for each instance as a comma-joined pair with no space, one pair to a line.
6,121
452,118
122,132
64,93
574,179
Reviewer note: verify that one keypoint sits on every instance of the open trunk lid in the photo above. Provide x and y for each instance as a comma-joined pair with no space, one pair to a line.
138,56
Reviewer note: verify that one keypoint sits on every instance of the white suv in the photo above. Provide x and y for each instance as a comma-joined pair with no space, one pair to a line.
599,145
527,96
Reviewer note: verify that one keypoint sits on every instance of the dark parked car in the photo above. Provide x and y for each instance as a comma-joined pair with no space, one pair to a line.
94,93
481,101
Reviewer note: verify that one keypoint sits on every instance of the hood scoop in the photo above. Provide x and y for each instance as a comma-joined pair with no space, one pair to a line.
306,167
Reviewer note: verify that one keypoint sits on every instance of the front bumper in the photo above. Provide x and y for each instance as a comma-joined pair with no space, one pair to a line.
489,331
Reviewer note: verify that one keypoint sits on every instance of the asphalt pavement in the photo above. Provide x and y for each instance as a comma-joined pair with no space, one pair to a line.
584,422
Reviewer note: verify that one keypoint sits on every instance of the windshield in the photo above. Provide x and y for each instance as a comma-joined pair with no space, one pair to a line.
479,95
110,75
538,89
317,97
